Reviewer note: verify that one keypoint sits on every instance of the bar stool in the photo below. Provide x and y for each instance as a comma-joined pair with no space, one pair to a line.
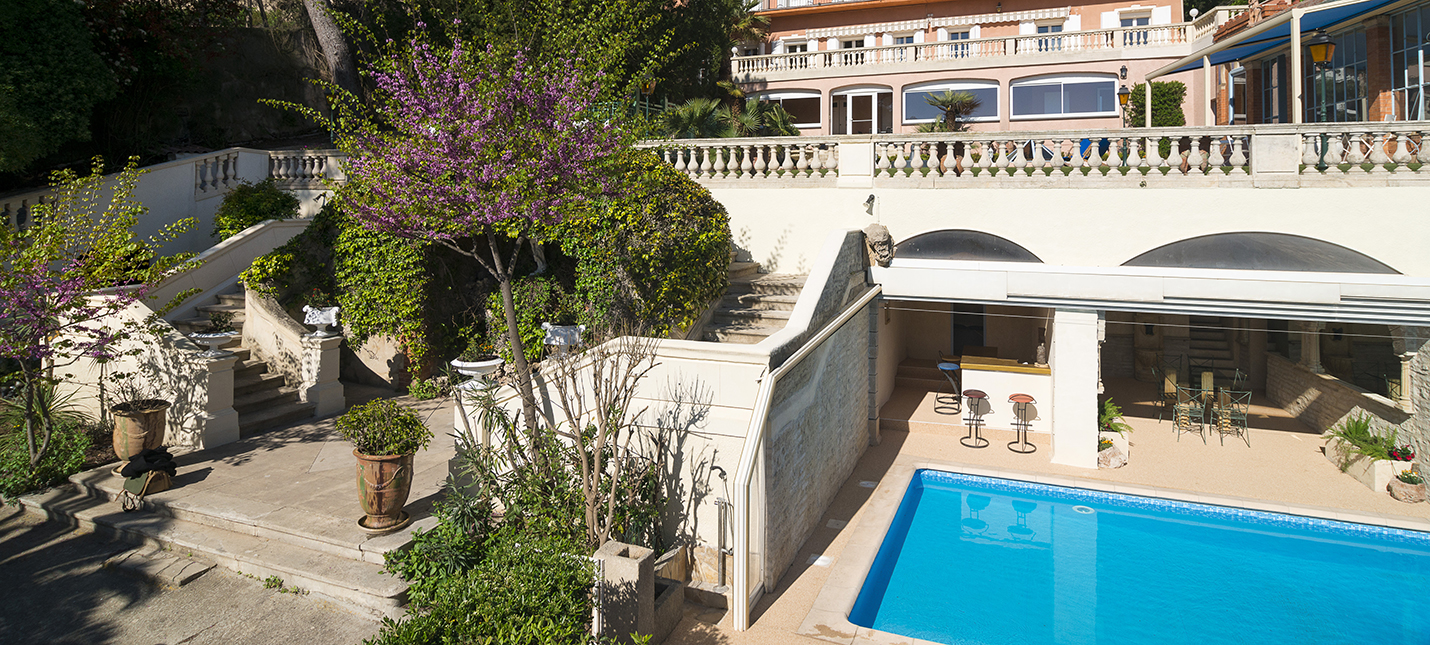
951,372
977,399
1021,423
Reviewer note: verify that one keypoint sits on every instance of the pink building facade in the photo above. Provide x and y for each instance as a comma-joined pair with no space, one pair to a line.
868,66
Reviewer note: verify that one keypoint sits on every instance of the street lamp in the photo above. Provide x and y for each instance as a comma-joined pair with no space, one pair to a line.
1321,47
1123,94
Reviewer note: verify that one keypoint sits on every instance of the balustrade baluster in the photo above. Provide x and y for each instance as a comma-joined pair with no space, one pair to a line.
916,158
760,165
965,163
899,161
816,165
833,164
1217,158
1001,161
1174,156
1423,155
1194,157
1377,154
1238,154
1310,152
1134,160
1402,156
1355,155
707,161
747,166
676,158
1153,157
801,167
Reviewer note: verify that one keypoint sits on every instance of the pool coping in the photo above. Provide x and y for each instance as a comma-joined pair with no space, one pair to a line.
828,617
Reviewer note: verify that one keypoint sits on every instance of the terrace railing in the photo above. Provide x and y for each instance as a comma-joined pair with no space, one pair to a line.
1262,156
1109,40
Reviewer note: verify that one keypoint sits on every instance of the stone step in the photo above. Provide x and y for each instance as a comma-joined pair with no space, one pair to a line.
918,371
255,382
742,334
248,368
922,384
778,302
353,582
743,269
264,399
200,324
236,299
773,316
275,416
768,284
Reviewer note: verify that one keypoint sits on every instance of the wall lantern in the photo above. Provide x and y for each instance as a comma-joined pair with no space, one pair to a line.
1123,94
648,87
1321,48
1122,73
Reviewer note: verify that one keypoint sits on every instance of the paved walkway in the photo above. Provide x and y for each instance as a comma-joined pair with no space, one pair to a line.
57,592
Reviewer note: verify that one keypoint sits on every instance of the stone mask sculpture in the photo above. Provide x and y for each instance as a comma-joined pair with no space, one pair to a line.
880,243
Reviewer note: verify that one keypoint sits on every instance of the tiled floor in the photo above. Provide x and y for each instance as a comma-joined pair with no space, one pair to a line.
1282,467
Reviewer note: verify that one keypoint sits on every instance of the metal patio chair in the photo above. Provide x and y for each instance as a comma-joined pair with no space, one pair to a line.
1189,413
1169,392
1229,414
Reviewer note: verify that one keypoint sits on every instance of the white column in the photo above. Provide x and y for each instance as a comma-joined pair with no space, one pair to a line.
1296,71
1311,345
1147,112
1208,92
320,375
1407,341
1074,367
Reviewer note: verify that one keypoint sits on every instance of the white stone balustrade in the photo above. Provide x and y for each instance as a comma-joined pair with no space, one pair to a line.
1358,149
216,173
15,209
781,157
304,168
1109,40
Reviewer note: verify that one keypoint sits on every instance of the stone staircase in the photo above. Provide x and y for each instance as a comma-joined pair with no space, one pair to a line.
922,375
1209,346
234,533
755,305
262,399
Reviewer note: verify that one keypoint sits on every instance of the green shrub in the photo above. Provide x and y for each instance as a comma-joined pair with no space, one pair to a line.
1356,433
1167,99
64,458
538,299
424,389
382,427
248,204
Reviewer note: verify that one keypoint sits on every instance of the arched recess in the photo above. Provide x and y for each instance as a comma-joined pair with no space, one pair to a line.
962,244
1260,252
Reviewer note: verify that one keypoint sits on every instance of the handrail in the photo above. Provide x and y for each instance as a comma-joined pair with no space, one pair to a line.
754,437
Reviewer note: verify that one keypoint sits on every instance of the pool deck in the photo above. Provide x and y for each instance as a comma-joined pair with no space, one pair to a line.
1282,470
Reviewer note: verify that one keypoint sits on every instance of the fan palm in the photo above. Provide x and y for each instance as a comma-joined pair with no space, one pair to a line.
956,108
695,119
757,119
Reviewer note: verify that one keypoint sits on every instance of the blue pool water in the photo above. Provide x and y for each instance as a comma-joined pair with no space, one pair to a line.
989,561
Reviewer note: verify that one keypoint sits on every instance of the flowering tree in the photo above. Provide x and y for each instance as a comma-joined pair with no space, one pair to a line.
65,276
477,151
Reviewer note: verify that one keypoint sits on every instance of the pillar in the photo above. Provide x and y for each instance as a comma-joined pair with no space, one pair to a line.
1378,72
1074,366
1311,345
627,595
1406,341
320,375
217,424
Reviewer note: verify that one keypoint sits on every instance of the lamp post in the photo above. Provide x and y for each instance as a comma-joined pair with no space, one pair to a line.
1321,47
647,89
1123,94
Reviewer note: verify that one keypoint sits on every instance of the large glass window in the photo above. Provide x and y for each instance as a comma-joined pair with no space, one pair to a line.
1274,87
1410,60
918,110
803,106
1336,92
1064,96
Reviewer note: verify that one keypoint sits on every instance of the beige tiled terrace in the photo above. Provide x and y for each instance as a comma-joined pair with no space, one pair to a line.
1283,467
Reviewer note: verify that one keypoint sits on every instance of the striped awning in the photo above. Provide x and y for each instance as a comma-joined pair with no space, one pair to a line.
934,23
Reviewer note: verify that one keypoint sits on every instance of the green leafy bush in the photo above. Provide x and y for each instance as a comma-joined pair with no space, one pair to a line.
248,204
538,299
1167,97
424,389
1109,418
1360,440
382,427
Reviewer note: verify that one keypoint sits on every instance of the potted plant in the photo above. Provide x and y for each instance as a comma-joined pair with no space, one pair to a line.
1365,455
1408,486
220,331
139,419
1112,446
385,436
321,311
477,359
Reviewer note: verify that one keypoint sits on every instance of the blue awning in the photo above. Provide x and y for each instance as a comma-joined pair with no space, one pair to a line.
1235,53
1277,32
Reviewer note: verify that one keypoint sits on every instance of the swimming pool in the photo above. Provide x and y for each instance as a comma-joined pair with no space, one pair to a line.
972,559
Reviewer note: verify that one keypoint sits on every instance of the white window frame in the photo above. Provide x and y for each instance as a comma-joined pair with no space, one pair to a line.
909,36
943,86
1060,79
798,94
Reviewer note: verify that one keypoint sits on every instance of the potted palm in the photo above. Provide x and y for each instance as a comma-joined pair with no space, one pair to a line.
1112,445
385,436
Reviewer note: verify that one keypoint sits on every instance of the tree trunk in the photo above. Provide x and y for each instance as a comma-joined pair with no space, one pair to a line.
335,47
503,275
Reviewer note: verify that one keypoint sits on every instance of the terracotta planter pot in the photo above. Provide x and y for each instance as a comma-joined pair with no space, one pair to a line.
384,482
138,425
1409,493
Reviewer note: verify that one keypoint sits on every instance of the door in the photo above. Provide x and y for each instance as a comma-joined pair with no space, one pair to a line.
869,112
861,114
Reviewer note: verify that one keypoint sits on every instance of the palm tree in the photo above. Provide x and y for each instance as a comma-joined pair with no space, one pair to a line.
758,119
695,119
956,108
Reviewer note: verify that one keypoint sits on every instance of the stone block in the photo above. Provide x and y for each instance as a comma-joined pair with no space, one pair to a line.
627,603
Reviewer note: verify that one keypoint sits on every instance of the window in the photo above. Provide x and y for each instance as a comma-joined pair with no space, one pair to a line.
852,58
1064,96
918,110
958,49
1274,90
752,51
797,49
1050,44
1409,61
862,110
803,106
903,40
1136,36
1337,92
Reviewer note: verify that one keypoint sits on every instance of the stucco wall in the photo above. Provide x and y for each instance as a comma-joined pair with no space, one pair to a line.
1101,227
816,433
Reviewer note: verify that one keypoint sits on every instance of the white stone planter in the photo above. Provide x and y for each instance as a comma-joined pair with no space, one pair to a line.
476,368
1375,474
322,318
213,341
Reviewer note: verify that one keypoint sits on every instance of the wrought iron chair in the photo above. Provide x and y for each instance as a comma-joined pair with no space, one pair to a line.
1198,366
1189,412
1229,414
1238,379
1169,392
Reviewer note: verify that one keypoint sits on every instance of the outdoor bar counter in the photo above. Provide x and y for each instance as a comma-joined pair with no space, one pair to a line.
1003,377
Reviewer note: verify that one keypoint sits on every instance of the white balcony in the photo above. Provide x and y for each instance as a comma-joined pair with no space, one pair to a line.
1099,44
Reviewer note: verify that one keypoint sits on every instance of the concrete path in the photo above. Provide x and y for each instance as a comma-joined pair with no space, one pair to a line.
56,591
